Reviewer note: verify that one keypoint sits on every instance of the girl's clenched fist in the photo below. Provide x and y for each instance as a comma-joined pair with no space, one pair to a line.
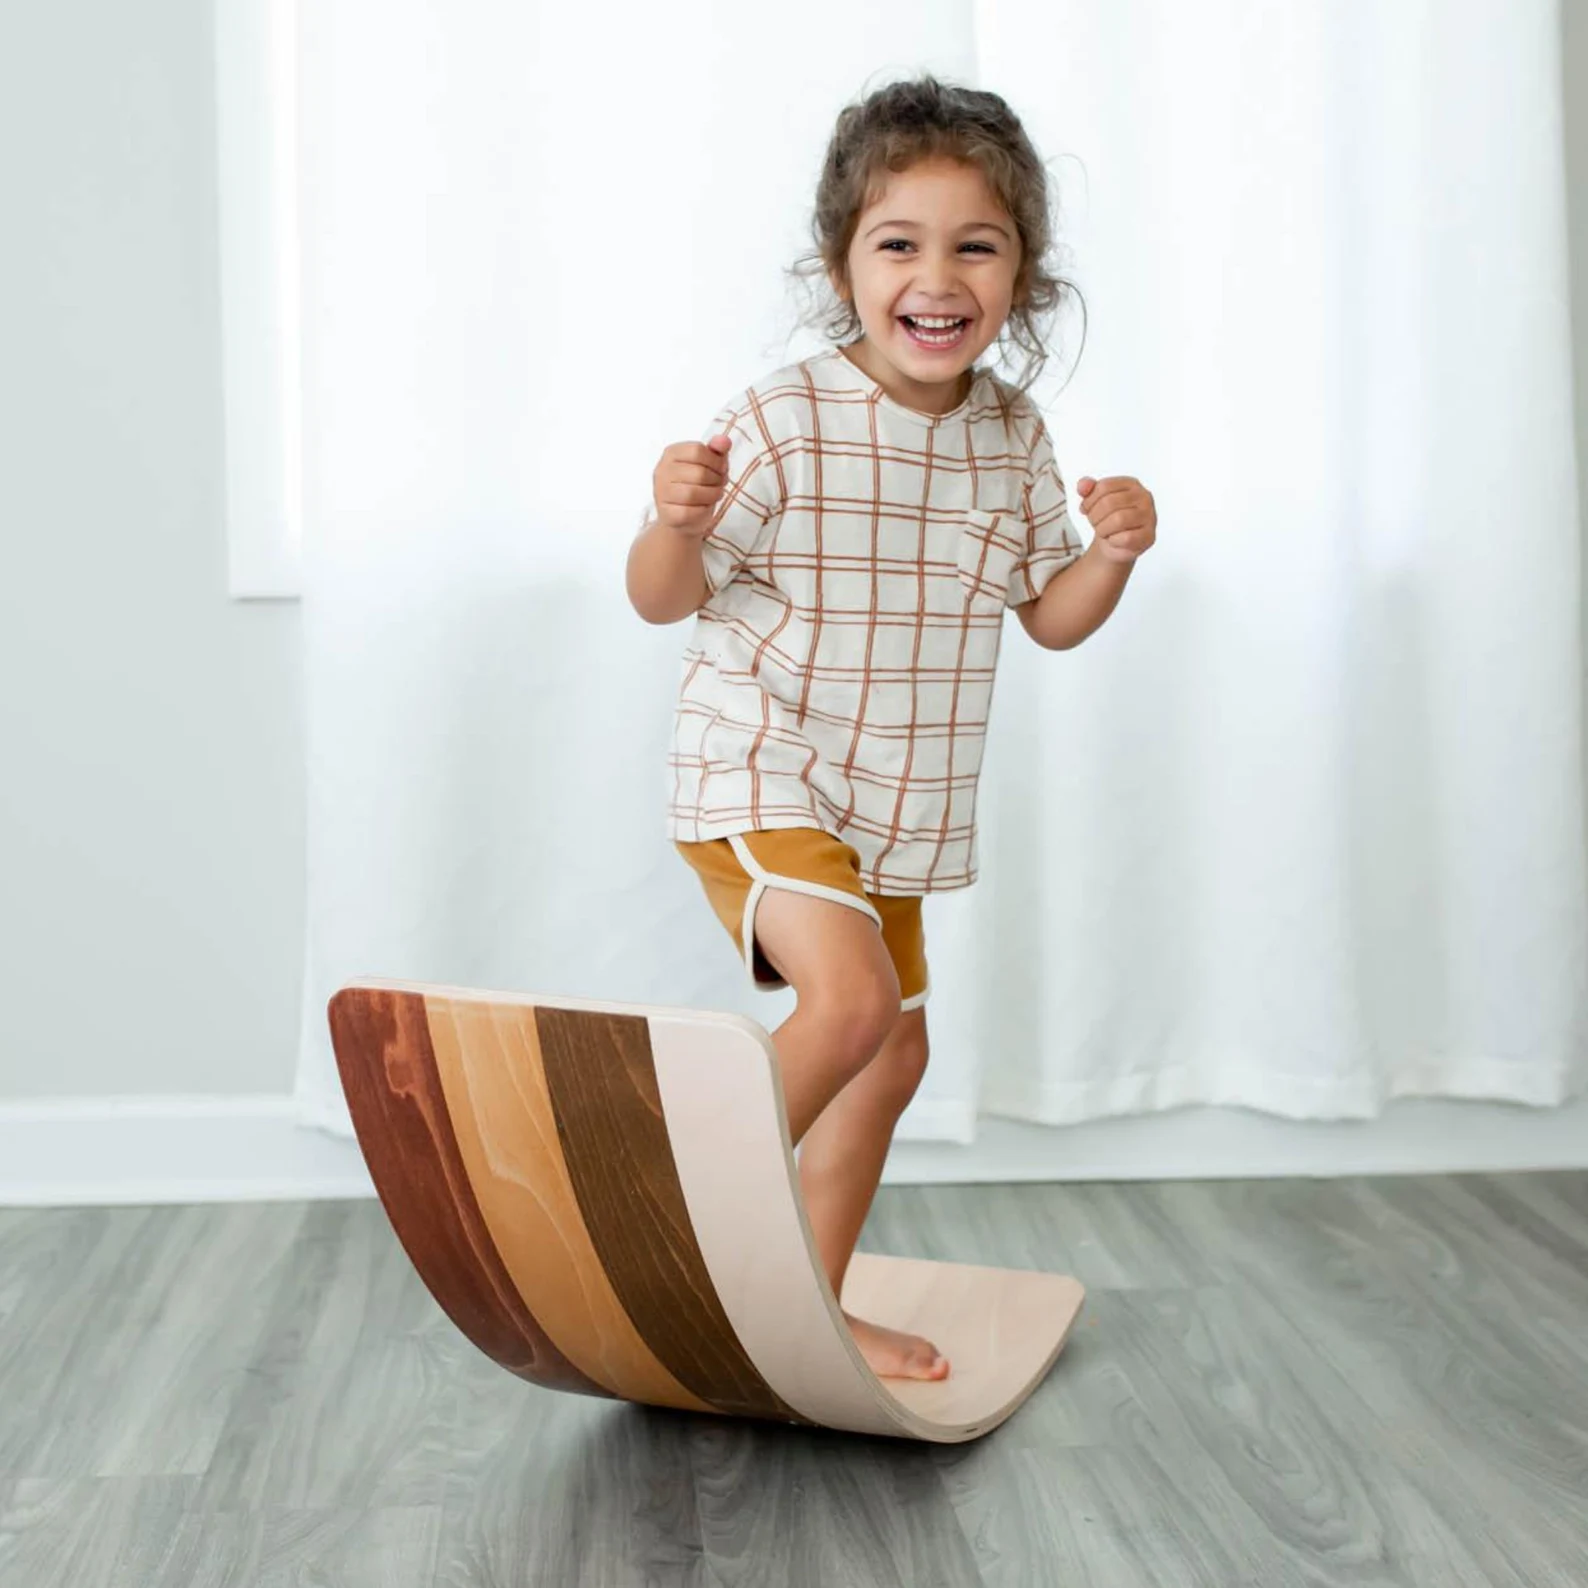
688,483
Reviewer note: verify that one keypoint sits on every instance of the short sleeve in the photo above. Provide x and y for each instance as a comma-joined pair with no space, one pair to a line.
1052,542
750,503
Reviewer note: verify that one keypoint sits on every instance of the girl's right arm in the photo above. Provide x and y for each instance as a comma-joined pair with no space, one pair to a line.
666,576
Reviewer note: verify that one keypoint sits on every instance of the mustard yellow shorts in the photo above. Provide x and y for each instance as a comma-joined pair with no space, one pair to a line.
736,872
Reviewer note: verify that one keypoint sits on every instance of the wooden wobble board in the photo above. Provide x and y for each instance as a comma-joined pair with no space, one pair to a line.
603,1198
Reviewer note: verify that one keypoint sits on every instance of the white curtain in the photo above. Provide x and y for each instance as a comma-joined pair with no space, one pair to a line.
1301,829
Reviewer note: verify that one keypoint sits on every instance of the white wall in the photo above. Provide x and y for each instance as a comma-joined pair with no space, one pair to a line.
151,830
1574,15
151,870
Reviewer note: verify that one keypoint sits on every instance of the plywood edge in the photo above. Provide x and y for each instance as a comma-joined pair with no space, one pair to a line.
606,1006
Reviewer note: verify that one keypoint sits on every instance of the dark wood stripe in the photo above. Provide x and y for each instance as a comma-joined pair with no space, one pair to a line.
603,1088
382,1042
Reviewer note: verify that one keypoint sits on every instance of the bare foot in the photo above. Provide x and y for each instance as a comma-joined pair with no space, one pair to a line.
892,1354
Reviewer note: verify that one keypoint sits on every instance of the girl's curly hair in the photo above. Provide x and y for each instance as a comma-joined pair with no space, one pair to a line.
917,119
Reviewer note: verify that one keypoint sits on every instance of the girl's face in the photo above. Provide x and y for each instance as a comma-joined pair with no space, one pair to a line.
931,276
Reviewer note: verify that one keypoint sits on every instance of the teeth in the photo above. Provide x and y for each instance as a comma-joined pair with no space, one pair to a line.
935,329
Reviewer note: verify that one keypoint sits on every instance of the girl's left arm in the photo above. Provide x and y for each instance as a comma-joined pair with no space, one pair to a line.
1079,599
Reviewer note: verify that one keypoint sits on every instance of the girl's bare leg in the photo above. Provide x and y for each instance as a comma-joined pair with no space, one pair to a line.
846,1019
841,1164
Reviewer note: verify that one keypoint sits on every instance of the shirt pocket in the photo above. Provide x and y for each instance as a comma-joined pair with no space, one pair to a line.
989,547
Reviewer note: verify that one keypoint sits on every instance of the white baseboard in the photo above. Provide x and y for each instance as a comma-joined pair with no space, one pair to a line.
1411,1136
137,1151
131,1151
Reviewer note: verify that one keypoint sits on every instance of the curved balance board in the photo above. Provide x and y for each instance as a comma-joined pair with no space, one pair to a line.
604,1199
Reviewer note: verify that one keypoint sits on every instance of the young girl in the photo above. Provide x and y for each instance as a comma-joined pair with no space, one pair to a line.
848,537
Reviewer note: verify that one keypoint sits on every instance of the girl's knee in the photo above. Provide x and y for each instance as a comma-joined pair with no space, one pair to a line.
901,1063
858,1013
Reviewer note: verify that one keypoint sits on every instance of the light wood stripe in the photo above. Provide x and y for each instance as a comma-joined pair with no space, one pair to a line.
730,1142
488,1057
388,1069
1002,1328
609,1117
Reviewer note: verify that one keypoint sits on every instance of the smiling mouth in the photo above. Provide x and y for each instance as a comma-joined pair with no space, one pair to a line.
935,330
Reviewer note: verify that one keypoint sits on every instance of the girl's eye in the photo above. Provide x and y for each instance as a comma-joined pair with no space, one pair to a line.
893,244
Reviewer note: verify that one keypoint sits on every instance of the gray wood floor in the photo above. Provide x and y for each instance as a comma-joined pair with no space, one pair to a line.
1365,1382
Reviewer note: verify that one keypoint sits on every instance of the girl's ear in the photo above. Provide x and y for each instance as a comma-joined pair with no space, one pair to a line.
839,285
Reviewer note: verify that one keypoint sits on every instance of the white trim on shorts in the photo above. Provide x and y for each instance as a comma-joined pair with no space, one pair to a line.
761,879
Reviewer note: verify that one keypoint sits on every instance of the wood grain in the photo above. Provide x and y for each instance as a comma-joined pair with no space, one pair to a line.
388,1069
718,1090
1430,1384
1001,1328
488,1058
1328,1403
609,1117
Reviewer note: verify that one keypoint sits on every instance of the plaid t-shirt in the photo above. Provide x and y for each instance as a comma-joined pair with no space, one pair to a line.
840,672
